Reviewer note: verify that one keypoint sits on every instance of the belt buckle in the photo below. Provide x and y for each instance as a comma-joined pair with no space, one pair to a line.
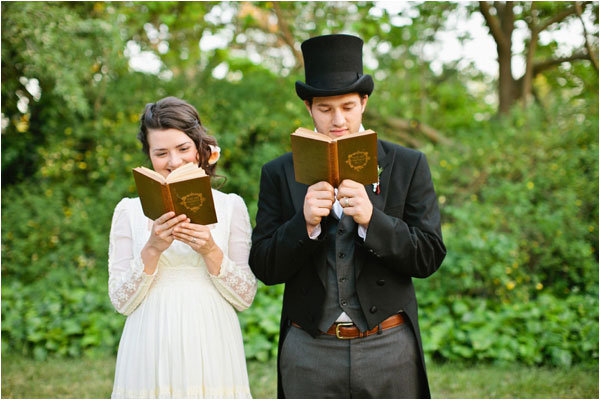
337,329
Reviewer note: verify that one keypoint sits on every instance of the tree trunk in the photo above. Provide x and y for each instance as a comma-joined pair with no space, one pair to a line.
528,77
506,83
501,27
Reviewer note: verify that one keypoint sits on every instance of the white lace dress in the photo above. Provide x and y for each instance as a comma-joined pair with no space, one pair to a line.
182,337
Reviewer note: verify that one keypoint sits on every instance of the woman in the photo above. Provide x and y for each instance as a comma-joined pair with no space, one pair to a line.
179,282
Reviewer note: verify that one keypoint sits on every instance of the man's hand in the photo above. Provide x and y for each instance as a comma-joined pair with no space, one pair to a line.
353,198
317,204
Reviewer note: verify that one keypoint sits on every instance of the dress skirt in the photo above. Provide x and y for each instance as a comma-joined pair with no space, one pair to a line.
183,341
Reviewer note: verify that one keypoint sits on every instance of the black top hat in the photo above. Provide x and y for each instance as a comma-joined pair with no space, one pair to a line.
333,66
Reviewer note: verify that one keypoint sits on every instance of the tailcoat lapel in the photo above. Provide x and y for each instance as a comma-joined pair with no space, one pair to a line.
385,161
297,190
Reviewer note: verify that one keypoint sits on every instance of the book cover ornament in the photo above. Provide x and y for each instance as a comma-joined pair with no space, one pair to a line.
358,160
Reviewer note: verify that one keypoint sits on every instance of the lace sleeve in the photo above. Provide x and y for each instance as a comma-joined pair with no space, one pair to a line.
127,282
235,281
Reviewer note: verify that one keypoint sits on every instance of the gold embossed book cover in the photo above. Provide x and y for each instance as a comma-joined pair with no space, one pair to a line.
186,191
320,158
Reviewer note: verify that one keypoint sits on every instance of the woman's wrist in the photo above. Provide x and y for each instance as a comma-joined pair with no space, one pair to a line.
150,256
213,259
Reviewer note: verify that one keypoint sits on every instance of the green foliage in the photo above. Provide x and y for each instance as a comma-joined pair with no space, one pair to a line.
537,332
518,195
519,203
260,323
67,313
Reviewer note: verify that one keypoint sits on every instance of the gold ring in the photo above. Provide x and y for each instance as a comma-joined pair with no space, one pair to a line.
346,203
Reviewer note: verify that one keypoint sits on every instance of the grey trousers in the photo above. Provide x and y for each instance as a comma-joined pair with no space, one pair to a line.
383,365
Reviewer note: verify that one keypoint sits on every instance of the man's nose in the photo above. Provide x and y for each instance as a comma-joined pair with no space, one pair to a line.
338,117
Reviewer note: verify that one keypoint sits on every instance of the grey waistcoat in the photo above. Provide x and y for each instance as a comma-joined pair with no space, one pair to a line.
341,280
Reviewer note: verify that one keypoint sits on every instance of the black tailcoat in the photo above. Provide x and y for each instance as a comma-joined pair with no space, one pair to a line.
404,240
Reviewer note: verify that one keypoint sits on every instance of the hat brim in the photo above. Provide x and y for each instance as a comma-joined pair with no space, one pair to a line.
364,84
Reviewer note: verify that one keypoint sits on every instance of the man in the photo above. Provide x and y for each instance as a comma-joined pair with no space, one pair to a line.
347,255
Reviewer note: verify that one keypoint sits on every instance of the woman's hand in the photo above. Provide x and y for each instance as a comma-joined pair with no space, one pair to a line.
160,239
199,238
162,234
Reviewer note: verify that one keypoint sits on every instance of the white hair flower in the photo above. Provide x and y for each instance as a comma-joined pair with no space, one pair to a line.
215,153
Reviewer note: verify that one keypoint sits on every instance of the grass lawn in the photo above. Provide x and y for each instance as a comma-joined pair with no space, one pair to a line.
85,378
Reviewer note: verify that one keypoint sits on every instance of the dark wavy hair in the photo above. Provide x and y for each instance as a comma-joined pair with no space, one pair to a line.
174,113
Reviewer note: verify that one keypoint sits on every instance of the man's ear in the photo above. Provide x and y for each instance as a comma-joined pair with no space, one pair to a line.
308,107
363,102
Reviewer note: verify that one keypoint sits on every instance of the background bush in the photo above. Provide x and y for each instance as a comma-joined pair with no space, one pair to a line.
518,193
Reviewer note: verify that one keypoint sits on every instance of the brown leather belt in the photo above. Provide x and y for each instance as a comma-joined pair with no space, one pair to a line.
347,330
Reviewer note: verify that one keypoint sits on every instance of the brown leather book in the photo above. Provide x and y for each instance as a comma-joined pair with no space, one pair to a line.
186,191
319,158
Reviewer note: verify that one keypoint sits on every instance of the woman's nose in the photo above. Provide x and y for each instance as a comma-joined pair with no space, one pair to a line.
175,161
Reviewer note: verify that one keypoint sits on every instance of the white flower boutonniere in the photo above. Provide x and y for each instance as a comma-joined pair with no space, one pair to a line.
376,187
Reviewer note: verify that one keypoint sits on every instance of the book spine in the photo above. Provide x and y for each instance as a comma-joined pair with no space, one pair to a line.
334,169
167,198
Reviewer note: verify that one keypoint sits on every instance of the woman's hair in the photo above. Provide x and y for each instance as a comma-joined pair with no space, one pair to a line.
174,113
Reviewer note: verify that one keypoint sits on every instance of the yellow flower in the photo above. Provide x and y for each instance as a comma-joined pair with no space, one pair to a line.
510,285
539,286
530,185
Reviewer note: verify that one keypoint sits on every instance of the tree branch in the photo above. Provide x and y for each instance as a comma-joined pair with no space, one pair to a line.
286,35
528,77
591,52
547,64
557,18
493,24
402,128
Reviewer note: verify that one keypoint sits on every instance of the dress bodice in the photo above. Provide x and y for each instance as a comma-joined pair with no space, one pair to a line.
180,264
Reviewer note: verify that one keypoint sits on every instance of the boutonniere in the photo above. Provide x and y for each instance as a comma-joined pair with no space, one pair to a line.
376,186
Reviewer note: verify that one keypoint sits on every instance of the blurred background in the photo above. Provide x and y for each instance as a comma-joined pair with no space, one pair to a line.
501,97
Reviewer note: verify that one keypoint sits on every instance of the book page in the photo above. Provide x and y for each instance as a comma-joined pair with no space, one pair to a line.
188,171
150,174
353,135
303,132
